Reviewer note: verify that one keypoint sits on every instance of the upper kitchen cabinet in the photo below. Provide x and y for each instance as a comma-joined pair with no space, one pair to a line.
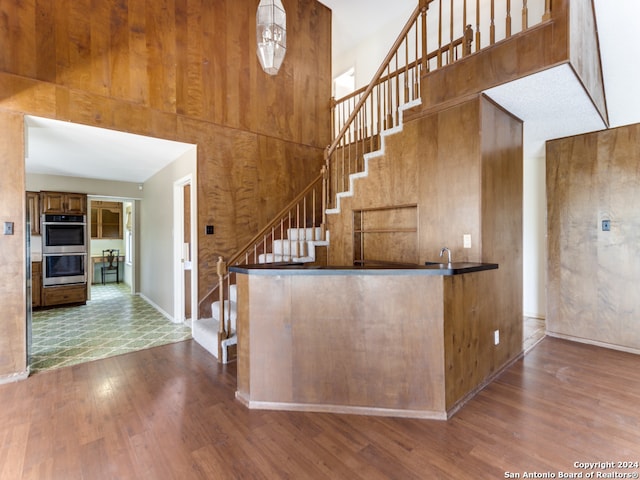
33,212
64,202
106,220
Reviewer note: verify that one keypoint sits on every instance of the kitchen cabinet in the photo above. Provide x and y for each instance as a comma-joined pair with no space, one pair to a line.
64,294
106,220
33,212
36,284
64,203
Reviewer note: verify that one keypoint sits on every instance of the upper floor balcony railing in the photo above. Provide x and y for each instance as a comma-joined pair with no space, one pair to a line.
438,33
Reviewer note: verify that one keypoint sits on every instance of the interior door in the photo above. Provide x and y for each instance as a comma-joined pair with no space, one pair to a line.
186,250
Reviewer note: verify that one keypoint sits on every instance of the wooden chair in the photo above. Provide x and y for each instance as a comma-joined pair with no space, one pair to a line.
110,263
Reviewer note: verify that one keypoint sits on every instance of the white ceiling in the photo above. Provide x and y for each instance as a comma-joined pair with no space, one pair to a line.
69,149
552,104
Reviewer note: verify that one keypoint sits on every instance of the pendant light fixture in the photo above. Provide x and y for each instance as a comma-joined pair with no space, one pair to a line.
271,35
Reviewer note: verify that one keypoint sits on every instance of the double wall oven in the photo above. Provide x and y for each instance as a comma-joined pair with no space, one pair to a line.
64,249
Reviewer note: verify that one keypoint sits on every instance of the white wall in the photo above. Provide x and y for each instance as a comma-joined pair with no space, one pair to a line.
36,182
156,232
534,237
368,54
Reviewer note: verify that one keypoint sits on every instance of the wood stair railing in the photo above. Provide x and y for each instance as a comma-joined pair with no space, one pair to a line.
359,119
437,34
304,215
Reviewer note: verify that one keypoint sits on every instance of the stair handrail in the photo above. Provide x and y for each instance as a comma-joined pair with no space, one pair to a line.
256,239
465,40
422,7
223,329
277,218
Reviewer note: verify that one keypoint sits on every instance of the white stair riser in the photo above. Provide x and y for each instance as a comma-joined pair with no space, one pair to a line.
290,247
230,312
311,233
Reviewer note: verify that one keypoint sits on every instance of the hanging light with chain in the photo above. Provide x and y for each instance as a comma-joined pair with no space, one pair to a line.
271,35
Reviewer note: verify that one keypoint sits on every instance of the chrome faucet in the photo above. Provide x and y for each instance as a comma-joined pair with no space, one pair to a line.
445,249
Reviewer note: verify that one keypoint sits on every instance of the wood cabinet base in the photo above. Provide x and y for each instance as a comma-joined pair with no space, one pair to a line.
36,284
370,342
64,294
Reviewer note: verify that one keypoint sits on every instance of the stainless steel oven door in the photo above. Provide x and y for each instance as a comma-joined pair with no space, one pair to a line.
64,234
64,268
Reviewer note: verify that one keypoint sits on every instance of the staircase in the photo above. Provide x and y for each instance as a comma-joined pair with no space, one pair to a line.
205,330
299,246
360,121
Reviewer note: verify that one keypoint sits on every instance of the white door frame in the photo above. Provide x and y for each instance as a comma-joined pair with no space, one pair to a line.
178,241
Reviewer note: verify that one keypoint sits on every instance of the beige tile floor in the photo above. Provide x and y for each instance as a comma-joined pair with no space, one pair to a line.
113,322
533,331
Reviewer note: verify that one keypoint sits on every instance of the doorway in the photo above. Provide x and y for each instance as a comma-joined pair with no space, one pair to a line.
115,166
185,250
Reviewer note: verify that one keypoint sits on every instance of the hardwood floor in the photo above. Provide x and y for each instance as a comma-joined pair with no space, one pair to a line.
169,413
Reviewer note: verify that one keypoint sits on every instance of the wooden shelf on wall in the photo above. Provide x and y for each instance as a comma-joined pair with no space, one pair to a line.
388,233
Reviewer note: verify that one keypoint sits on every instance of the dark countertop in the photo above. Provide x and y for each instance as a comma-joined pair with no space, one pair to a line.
431,268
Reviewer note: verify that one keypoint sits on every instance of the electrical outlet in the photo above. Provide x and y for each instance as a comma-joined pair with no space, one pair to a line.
8,228
466,240
496,337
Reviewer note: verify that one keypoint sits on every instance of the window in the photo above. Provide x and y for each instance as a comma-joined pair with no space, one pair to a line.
344,84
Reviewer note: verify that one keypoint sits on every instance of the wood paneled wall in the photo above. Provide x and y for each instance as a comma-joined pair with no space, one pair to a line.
190,57
183,70
13,340
462,167
356,353
585,53
592,274
501,222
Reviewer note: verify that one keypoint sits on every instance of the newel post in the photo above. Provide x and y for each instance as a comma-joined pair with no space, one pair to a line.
547,11
323,225
468,40
424,6
221,268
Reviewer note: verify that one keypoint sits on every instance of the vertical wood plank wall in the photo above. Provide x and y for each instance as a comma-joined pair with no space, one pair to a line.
12,247
592,275
585,52
462,167
181,70
501,222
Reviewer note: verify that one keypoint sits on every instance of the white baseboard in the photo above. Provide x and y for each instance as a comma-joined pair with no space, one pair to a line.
14,377
342,409
596,343
157,307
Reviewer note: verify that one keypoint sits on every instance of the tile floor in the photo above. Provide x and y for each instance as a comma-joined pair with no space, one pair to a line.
113,322
533,331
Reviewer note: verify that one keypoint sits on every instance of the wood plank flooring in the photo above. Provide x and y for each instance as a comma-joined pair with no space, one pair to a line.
169,413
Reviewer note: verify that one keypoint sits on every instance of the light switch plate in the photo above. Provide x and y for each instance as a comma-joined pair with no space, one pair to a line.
8,228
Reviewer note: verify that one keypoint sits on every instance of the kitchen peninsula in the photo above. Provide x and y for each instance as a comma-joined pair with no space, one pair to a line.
406,341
